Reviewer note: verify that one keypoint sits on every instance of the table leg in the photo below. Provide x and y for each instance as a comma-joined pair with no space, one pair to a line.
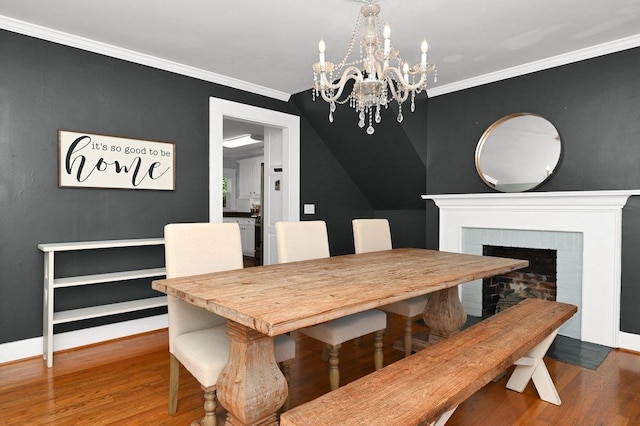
251,387
444,314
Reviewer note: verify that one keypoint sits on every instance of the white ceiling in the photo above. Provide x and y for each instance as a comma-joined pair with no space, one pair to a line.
268,47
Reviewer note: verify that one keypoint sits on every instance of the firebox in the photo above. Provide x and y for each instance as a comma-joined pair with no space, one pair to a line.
537,280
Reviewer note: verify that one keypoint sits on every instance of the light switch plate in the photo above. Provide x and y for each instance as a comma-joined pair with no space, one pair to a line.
309,209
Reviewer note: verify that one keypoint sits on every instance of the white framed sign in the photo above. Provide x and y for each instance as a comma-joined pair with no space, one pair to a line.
99,161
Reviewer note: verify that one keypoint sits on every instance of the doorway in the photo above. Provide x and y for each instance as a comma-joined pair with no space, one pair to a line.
281,165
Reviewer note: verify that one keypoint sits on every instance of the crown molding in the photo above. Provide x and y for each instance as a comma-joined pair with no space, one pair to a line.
71,40
67,39
543,64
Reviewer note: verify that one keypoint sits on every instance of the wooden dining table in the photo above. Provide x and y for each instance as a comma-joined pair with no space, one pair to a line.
266,301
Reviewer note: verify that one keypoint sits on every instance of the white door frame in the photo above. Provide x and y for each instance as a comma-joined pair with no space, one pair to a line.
290,126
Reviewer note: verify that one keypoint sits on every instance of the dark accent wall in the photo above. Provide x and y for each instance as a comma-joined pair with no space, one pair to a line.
594,104
387,168
325,183
44,87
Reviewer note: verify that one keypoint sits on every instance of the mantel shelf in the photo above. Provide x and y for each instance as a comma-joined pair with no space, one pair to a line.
560,199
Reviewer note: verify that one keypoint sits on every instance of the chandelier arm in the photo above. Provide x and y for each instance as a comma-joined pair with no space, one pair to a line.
346,75
400,77
394,94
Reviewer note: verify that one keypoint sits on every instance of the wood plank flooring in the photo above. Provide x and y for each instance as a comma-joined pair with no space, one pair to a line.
125,382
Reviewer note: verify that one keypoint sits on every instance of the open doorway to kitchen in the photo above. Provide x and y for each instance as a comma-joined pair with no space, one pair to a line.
281,175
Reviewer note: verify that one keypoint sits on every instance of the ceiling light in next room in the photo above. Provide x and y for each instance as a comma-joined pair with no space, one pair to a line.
239,141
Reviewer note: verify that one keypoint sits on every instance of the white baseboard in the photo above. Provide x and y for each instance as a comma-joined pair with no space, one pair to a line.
28,348
629,341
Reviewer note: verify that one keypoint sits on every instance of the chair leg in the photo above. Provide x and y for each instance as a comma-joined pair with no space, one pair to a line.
325,352
174,376
408,337
334,372
285,367
377,349
209,407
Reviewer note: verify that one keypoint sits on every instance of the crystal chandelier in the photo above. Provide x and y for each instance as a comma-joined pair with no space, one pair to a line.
378,82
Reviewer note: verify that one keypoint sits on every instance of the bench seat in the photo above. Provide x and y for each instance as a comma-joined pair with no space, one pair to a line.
426,387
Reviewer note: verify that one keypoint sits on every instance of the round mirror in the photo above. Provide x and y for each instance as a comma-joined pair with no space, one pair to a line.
518,152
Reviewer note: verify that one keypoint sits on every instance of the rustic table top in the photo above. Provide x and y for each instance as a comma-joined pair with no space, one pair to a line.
276,299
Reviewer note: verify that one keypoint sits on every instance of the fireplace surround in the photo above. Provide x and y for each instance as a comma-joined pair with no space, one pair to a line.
594,217
568,247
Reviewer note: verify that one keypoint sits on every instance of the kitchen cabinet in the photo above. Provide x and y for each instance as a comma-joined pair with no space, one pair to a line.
249,180
247,233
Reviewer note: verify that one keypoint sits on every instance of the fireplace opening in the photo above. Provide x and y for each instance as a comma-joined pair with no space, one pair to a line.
537,280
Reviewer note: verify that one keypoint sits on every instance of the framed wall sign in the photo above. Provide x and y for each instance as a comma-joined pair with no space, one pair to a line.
99,161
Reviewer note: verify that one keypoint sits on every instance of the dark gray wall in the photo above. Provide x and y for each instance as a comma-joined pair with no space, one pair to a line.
45,87
387,168
326,184
594,104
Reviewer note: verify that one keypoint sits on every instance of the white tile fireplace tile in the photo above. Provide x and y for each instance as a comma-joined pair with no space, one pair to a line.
568,258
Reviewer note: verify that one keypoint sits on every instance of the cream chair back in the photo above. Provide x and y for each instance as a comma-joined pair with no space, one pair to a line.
301,240
192,249
371,235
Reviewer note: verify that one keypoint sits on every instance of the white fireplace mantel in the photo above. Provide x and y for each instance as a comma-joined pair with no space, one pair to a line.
536,200
595,214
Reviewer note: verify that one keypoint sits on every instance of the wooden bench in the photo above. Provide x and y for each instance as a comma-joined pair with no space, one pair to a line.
425,388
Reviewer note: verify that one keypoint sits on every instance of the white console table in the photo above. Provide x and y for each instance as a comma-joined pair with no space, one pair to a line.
51,283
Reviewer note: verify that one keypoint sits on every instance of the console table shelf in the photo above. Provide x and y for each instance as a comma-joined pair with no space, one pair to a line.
105,278
61,317
51,283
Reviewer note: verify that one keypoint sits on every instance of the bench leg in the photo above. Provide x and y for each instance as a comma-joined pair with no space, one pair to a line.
444,418
532,367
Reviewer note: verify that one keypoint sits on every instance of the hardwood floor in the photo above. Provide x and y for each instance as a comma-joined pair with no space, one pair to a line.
125,382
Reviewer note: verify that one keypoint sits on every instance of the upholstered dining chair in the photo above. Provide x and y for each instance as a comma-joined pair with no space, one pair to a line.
307,240
198,338
375,235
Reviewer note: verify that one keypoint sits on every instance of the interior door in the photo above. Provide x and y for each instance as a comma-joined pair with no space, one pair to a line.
273,208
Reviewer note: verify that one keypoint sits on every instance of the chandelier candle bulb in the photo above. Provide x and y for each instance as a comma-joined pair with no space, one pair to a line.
321,48
424,47
387,39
